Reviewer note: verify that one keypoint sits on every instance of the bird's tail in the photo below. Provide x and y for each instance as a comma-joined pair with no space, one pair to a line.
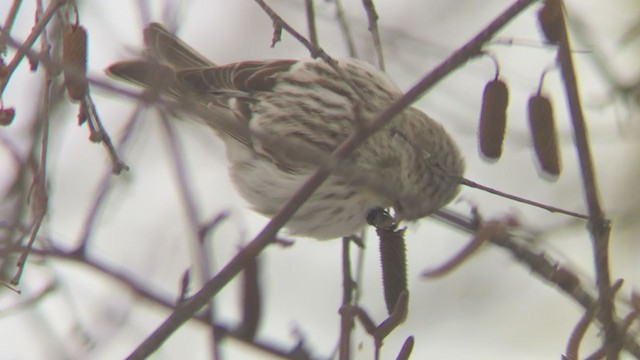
170,49
167,55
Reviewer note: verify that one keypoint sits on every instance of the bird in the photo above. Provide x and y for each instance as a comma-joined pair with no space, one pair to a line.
270,113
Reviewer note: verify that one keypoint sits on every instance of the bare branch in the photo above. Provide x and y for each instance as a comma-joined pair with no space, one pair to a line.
372,16
599,225
311,22
346,29
8,25
348,288
43,20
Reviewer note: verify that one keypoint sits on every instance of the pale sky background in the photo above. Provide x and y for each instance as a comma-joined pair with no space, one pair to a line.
491,307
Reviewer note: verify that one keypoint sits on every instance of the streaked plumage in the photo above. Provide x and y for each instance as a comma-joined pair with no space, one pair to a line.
306,101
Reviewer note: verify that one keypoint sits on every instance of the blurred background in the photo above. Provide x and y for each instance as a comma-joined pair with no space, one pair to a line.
491,306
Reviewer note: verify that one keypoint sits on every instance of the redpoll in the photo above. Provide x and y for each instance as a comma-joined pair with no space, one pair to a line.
308,102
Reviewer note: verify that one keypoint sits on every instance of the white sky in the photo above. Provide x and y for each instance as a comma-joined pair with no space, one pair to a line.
491,307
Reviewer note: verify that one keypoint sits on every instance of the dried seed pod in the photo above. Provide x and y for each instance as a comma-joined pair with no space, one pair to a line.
83,114
407,348
6,116
393,258
74,59
493,119
550,20
3,69
545,138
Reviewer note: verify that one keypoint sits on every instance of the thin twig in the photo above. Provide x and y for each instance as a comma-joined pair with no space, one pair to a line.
311,21
8,25
251,300
396,317
21,183
31,39
55,67
553,209
346,317
198,243
38,193
268,234
573,346
105,187
546,268
99,134
212,224
598,354
381,331
140,288
472,184
30,300
599,226
184,184
360,269
372,16
483,234
345,29
314,50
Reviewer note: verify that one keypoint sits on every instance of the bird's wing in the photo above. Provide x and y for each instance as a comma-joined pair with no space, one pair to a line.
169,48
147,74
171,54
234,80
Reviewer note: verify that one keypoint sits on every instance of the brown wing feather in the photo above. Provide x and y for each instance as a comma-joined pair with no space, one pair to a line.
184,73
235,80
146,74
171,49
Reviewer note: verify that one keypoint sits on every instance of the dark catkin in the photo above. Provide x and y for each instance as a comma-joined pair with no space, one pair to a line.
544,134
493,119
74,59
407,348
550,20
393,257
4,72
6,116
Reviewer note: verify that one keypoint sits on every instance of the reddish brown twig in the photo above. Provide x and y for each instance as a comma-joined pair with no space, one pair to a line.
43,20
372,17
348,289
599,226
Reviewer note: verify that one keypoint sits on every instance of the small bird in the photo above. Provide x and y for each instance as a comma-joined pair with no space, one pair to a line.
411,165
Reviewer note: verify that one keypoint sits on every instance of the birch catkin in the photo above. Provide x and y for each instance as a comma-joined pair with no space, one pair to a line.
550,20
493,119
543,132
74,60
